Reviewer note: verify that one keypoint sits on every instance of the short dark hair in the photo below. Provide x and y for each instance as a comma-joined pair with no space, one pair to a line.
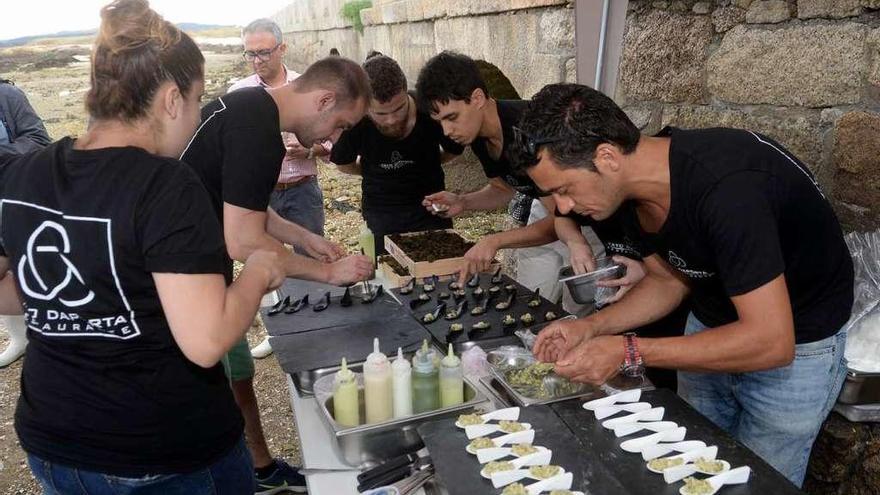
448,76
386,77
577,119
338,74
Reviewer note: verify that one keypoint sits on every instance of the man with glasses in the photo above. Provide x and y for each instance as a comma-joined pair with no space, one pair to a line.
729,218
397,149
297,196
451,88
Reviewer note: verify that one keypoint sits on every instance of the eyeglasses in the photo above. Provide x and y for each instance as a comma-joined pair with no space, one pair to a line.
263,55
529,143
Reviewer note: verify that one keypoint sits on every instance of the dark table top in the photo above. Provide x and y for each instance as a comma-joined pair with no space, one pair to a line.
593,455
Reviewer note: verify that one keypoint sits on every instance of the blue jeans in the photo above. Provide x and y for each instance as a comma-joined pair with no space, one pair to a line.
231,475
777,413
302,204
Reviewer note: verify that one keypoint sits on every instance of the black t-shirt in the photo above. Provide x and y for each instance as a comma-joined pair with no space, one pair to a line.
237,151
397,173
743,211
104,386
509,113
620,233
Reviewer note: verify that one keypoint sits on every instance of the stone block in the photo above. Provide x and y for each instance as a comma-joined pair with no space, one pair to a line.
571,70
412,44
664,56
768,12
808,9
507,41
871,4
455,8
702,8
371,17
800,131
725,18
394,12
556,31
641,116
804,65
856,155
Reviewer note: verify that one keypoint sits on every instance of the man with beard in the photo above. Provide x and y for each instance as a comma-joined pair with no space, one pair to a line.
397,149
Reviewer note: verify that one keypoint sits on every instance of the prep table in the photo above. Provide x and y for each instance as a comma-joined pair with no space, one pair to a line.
593,449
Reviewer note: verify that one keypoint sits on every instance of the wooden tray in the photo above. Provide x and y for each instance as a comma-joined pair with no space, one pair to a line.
422,269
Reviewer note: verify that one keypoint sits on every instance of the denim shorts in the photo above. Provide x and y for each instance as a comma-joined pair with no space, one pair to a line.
777,413
233,474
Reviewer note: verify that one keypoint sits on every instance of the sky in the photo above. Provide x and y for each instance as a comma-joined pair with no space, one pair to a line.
34,17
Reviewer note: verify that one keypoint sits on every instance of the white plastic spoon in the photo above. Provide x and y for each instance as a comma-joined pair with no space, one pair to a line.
476,431
606,411
627,396
661,449
489,455
736,476
636,445
536,459
679,473
504,478
706,453
559,482
655,414
527,436
655,426
508,414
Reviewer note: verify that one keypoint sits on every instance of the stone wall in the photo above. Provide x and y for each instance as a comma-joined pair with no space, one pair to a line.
531,41
804,72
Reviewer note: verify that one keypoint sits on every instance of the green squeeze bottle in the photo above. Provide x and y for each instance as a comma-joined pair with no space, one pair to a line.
345,397
451,382
425,381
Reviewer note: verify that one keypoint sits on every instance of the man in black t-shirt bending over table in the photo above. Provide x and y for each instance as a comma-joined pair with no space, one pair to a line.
237,152
734,221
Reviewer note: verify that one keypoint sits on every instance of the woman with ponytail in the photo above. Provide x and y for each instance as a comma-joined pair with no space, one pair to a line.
117,262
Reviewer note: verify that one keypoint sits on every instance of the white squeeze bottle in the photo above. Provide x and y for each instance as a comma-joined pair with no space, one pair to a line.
451,383
401,378
345,397
377,386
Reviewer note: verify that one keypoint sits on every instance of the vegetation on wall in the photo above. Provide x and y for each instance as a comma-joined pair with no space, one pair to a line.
351,12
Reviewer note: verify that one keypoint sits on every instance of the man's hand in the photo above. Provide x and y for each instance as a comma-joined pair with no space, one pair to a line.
478,259
561,336
593,361
349,270
296,150
582,260
444,204
321,249
635,272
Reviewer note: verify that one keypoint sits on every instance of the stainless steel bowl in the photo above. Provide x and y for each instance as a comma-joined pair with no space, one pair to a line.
583,287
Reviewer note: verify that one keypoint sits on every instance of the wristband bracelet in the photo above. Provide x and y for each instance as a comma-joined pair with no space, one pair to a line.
633,365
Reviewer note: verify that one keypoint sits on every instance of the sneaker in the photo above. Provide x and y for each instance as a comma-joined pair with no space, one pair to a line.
261,350
285,479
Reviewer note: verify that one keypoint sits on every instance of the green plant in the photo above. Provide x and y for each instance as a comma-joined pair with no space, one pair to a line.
351,12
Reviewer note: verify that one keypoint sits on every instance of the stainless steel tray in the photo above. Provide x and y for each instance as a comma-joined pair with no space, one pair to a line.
556,388
365,445
860,388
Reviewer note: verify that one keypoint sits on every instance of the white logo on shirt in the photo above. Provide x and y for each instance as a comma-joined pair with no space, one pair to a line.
67,273
681,265
60,245
396,163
